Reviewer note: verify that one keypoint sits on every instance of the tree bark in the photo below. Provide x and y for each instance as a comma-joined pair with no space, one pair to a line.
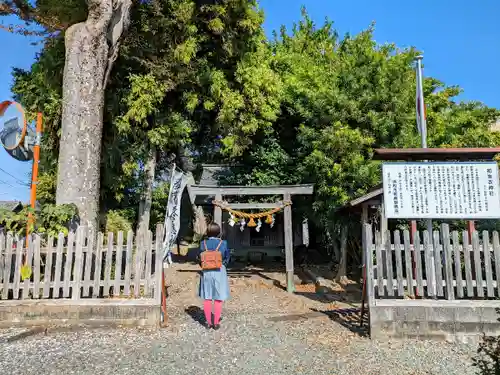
91,49
147,190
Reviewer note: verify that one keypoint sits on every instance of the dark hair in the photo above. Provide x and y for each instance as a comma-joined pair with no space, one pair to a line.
213,230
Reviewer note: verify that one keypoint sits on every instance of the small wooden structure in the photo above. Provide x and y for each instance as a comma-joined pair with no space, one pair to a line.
286,191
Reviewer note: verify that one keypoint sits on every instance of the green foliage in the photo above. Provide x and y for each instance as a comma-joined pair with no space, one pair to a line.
342,97
201,78
117,221
55,219
51,220
159,204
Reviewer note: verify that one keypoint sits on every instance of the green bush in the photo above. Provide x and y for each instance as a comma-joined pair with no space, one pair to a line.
117,221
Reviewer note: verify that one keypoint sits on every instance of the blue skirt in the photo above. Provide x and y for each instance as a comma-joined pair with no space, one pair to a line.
214,285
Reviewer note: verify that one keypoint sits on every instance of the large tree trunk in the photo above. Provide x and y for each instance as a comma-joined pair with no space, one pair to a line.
91,49
147,190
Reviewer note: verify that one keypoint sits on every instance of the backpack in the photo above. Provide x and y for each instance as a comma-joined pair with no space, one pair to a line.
211,259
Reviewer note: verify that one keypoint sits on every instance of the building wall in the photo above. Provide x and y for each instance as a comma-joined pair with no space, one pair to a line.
268,237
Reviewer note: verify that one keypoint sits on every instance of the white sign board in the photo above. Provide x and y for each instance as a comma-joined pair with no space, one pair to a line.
441,190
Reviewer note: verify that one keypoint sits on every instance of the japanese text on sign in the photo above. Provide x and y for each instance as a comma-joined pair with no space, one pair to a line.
439,190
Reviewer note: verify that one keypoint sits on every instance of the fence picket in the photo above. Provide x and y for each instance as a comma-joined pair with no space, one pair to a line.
429,265
8,265
417,251
409,271
388,259
490,291
128,262
380,265
477,264
58,277
81,235
438,264
139,254
496,250
399,263
458,265
159,264
149,259
370,278
107,269
96,290
89,263
47,275
2,256
468,264
36,266
448,265
25,285
17,273
118,268
68,264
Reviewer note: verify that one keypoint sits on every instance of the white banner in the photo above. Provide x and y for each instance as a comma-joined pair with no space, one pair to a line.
441,190
172,216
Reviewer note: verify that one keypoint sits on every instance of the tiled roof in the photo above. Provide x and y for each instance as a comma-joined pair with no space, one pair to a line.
10,205
212,173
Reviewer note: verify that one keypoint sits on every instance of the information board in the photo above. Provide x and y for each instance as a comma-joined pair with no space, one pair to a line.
441,190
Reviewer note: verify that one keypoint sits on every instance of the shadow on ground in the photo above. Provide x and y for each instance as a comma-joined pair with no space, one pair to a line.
196,313
348,318
350,295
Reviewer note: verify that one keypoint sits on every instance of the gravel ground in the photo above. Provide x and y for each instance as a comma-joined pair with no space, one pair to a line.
264,331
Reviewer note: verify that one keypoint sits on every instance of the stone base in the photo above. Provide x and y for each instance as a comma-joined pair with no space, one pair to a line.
113,312
460,321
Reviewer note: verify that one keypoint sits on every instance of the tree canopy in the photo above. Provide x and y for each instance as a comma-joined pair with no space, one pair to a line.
199,82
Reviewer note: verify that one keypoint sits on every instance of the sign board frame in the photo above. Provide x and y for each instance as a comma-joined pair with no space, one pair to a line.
411,193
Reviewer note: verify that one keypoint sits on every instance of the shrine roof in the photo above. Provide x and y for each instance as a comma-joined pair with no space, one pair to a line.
436,154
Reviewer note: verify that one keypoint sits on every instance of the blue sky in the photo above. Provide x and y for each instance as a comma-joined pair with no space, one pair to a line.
460,41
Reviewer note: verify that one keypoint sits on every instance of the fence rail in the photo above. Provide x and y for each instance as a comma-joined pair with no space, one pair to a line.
434,265
82,265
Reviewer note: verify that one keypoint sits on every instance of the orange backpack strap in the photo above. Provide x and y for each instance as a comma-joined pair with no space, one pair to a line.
218,246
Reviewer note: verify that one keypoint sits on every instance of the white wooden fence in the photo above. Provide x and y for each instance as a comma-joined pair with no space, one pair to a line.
82,265
433,265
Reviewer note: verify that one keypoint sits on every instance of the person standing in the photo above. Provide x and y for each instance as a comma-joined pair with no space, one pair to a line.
214,284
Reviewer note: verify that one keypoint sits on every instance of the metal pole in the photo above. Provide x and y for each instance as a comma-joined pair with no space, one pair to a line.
34,173
423,136
422,118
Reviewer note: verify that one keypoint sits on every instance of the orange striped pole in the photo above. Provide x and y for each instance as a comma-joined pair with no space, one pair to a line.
34,174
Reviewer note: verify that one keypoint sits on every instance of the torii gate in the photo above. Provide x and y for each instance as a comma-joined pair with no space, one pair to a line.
218,192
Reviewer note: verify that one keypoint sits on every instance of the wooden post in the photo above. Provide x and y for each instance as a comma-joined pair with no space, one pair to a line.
218,211
383,221
364,221
413,231
383,235
368,274
470,227
288,244
305,232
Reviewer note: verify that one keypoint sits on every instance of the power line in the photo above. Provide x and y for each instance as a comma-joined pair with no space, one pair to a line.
21,182
6,183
